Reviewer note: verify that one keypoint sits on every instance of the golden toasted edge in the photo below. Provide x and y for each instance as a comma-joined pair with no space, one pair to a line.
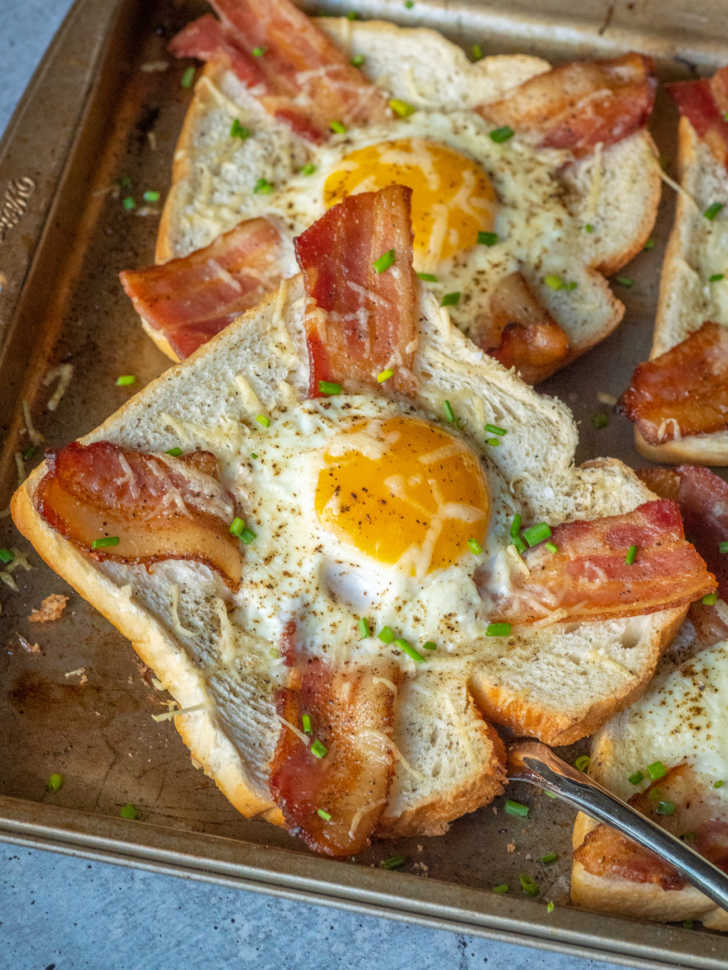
161,341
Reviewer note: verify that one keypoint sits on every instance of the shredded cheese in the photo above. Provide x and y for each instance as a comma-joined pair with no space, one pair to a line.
35,436
178,710
64,374
291,727
361,812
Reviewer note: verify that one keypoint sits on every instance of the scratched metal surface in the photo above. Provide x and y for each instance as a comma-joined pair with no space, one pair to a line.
80,703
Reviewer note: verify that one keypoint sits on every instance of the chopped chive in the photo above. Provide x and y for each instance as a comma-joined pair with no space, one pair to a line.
493,442
386,634
253,455
363,627
352,15
499,135
656,770
105,541
537,533
30,452
710,599
718,784
723,547
151,195
688,836
263,187
494,429
631,555
519,545
357,60
125,380
431,645
449,413
529,887
322,813
385,261
258,51
308,169
501,888
129,811
401,108
665,807
393,862
582,762
650,244
384,375
625,281
588,227
427,277
498,630
549,858
688,924
450,299
407,648
128,203
571,285
306,724
551,547
636,777
187,77
655,794
712,211
487,238
55,782
174,452
549,794
124,182
338,126
318,750
329,388
409,4
247,536
553,281
476,52
237,526
516,808
516,525
263,420
475,547
6,556
715,278
600,420
238,130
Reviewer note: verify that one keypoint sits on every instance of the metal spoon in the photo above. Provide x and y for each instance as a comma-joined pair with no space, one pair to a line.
535,763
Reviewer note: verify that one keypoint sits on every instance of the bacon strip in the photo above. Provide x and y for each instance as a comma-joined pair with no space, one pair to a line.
351,711
159,507
588,578
359,321
683,391
300,76
580,104
704,103
191,299
521,333
606,852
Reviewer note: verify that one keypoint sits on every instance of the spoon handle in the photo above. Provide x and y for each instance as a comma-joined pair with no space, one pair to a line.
535,763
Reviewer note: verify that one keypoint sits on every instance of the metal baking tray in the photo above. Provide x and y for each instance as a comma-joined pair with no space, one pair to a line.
99,112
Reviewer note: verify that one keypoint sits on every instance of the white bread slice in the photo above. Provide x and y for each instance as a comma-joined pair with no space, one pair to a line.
615,191
178,622
696,249
681,717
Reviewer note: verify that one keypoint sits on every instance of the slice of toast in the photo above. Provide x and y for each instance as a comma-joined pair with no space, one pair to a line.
681,719
225,678
608,199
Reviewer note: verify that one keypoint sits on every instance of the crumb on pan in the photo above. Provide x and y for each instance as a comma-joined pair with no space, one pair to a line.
52,608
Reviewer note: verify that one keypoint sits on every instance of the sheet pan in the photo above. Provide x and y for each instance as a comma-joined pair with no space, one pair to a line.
99,122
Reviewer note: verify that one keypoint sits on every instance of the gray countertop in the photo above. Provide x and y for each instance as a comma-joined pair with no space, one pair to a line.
69,914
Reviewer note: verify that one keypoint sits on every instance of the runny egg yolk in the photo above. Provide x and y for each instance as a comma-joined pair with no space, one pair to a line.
452,197
403,492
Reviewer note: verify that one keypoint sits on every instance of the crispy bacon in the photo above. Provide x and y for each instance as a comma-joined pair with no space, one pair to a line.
606,852
703,500
588,577
191,299
351,711
360,321
580,104
704,103
159,507
521,333
683,391
296,72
